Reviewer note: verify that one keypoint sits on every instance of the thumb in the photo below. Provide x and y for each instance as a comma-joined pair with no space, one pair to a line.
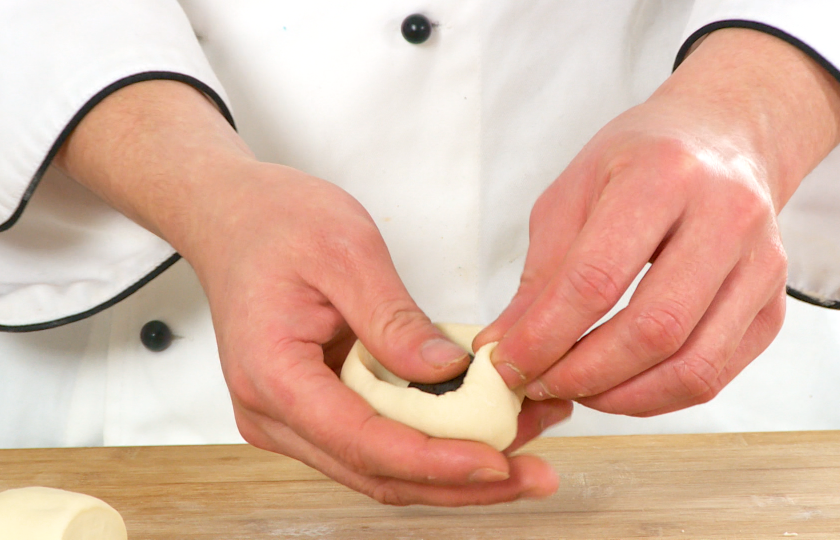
403,339
378,308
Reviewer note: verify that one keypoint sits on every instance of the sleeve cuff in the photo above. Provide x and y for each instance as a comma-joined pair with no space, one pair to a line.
15,214
69,255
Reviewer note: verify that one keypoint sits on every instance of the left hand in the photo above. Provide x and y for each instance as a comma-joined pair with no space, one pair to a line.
294,270
690,181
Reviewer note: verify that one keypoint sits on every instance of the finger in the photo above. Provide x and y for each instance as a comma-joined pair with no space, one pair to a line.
757,338
362,283
556,219
616,242
668,303
536,417
300,391
529,476
737,327
296,387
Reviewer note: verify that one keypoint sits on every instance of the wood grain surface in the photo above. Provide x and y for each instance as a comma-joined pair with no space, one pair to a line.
725,486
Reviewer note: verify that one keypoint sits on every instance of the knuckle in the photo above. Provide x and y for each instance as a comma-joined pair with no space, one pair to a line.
386,492
594,286
580,381
351,454
776,313
676,163
749,208
262,433
242,390
538,211
707,397
250,437
545,206
250,432
531,280
698,376
360,455
247,399
770,319
661,331
343,251
395,318
777,263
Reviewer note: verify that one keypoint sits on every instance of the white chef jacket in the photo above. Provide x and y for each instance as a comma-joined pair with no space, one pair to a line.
447,144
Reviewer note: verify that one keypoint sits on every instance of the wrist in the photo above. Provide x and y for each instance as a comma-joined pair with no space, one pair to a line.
153,150
764,100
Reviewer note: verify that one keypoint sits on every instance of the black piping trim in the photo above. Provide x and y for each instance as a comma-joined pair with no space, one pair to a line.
94,101
802,46
96,309
799,295
761,27
68,129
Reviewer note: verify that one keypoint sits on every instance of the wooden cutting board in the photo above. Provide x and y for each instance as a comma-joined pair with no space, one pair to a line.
728,486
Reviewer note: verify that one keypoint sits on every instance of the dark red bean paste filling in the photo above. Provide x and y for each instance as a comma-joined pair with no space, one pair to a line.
442,387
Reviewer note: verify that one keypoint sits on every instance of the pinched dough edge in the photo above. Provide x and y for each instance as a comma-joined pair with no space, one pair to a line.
483,409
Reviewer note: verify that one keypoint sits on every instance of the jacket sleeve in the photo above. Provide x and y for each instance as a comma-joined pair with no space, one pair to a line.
810,222
63,253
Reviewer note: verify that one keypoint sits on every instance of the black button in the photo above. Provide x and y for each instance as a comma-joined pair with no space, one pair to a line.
416,28
156,336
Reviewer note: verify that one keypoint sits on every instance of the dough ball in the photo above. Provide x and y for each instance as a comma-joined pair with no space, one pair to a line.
481,409
40,513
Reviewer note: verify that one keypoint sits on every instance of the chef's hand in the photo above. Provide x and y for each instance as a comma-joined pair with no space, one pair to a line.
304,272
294,269
690,181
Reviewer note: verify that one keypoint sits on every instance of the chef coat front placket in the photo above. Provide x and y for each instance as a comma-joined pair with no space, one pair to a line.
166,395
345,97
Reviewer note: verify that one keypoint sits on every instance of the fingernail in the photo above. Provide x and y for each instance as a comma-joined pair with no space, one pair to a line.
535,494
487,474
439,352
512,376
537,391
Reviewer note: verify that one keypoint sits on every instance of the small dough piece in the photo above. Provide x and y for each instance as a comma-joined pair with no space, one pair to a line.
482,409
40,513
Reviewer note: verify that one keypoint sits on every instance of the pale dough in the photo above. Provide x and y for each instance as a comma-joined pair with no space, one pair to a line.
40,513
482,409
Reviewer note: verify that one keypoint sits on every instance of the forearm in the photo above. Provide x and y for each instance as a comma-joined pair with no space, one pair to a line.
154,151
775,101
